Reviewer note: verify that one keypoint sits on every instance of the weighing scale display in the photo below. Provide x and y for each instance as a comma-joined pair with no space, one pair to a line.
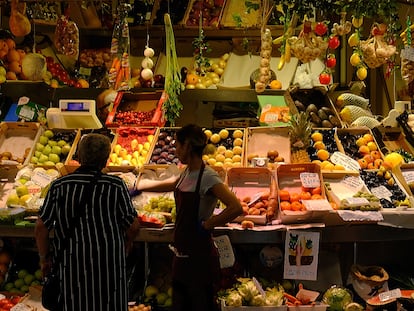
76,107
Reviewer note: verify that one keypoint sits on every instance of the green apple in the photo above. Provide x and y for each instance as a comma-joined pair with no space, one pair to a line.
34,160
53,157
39,147
22,273
49,133
56,150
52,142
61,143
22,180
12,199
65,149
47,149
22,190
43,158
43,140
19,283
28,279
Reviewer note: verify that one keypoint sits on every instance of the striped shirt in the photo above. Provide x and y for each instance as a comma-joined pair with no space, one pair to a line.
94,261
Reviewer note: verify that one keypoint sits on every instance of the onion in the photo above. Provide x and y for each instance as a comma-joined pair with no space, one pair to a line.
147,74
149,52
147,63
34,66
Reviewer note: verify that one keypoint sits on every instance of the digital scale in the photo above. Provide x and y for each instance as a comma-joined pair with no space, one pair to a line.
74,114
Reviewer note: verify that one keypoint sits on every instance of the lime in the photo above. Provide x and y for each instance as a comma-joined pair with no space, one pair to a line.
8,286
19,283
28,279
22,273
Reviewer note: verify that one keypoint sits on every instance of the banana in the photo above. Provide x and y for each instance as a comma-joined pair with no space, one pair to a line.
288,52
278,40
281,62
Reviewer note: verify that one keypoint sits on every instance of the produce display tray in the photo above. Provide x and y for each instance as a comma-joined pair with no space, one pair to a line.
250,17
261,140
137,109
210,11
18,138
249,182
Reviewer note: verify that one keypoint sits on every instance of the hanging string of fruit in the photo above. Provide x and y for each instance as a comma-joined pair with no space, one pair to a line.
147,64
407,57
173,85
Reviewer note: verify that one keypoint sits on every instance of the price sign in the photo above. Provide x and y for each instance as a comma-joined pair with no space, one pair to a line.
310,180
317,205
357,201
42,178
355,183
408,176
391,294
347,162
381,192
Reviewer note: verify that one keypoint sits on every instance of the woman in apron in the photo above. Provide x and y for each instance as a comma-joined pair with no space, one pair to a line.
196,268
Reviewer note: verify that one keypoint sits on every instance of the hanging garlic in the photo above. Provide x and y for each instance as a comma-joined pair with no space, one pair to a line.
147,64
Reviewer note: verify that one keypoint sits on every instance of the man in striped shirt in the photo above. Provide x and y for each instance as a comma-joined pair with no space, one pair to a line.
94,225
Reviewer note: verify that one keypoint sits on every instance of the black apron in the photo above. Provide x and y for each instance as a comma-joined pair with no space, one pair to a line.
196,259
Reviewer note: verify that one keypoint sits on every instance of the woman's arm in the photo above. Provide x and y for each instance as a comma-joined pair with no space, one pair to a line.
157,185
232,210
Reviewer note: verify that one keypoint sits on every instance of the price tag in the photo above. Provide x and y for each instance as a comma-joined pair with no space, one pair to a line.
310,180
355,183
42,178
381,192
21,307
259,287
391,294
408,176
347,162
407,53
357,201
317,205
26,113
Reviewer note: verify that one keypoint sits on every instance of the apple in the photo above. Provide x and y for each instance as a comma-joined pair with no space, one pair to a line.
39,147
49,163
43,158
43,140
65,149
56,150
53,157
22,190
34,160
48,133
37,153
52,143
61,143
47,149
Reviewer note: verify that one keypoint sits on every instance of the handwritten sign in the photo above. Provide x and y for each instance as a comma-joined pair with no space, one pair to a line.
381,192
310,180
408,176
347,162
355,183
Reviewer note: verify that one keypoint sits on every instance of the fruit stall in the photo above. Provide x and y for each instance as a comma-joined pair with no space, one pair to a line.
307,112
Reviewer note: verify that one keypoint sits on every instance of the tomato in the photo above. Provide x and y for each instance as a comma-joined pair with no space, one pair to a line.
320,28
333,42
8,306
331,61
284,195
4,301
324,78
16,299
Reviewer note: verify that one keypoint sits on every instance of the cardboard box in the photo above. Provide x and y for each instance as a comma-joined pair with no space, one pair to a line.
252,182
137,109
18,139
294,178
261,140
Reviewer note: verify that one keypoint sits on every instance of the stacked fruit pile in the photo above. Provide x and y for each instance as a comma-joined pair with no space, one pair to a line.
225,147
19,283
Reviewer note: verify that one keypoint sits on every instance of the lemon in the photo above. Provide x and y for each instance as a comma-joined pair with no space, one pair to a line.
355,59
353,39
224,134
215,138
208,133
362,73
238,142
394,158
237,134
221,149
322,154
237,150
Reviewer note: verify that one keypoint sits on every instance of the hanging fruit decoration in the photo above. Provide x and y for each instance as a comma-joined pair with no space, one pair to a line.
147,63
407,61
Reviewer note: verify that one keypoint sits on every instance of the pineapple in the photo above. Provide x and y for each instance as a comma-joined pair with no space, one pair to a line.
300,131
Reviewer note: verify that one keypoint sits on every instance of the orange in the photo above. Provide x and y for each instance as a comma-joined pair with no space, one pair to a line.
10,43
316,190
275,85
316,197
375,154
368,137
317,136
284,195
378,163
285,206
192,78
322,154
364,149
319,145
297,206
362,163
305,195
83,83
368,157
13,55
294,197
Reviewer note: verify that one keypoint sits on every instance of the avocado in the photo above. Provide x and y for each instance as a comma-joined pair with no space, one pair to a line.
327,110
315,118
299,105
322,114
335,121
327,124
311,108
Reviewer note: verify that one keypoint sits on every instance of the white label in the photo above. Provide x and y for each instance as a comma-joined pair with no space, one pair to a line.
353,182
408,53
381,192
21,307
391,294
347,162
259,287
24,100
26,113
408,176
357,201
42,178
310,180
317,205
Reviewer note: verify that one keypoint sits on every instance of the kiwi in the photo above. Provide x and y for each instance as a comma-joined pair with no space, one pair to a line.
335,121
322,114
311,108
314,117
327,124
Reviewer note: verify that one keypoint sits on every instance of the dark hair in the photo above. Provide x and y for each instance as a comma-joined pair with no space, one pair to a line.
94,150
194,135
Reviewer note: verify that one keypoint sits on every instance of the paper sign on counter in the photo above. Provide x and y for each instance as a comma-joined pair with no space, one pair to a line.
347,162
